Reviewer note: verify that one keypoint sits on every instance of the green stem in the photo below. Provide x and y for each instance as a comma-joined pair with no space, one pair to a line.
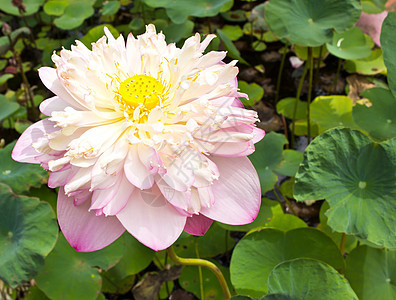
311,67
287,200
203,263
278,81
342,244
318,66
335,81
201,288
300,84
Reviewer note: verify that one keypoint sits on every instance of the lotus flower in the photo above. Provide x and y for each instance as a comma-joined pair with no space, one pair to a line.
145,137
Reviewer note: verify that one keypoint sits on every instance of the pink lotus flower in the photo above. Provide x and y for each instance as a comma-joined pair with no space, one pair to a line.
146,137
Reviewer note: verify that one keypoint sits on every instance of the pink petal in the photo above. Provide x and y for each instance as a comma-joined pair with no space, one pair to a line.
23,150
151,219
197,224
58,178
136,172
371,25
124,193
237,192
52,104
50,79
258,135
83,230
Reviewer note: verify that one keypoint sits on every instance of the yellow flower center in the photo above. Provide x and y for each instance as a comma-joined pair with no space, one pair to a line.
141,89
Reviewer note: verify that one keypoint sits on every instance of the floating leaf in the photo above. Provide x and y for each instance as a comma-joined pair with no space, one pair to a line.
290,163
282,221
309,279
110,7
358,179
69,274
19,176
351,44
31,7
179,10
286,107
258,253
175,32
55,7
371,273
28,232
332,111
371,65
379,120
267,157
234,32
254,91
74,15
311,23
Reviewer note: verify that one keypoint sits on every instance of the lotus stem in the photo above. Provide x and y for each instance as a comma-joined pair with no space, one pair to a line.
300,84
201,288
203,263
311,67
342,243
278,81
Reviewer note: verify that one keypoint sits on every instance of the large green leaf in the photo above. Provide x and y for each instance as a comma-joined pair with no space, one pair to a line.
267,157
358,179
136,257
351,44
259,252
332,111
350,240
69,274
372,273
379,120
217,240
19,176
7,108
28,232
309,279
369,65
290,163
179,10
286,108
31,6
373,6
388,45
311,22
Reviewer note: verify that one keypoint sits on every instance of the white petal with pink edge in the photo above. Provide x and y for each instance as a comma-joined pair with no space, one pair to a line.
84,230
151,219
237,193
